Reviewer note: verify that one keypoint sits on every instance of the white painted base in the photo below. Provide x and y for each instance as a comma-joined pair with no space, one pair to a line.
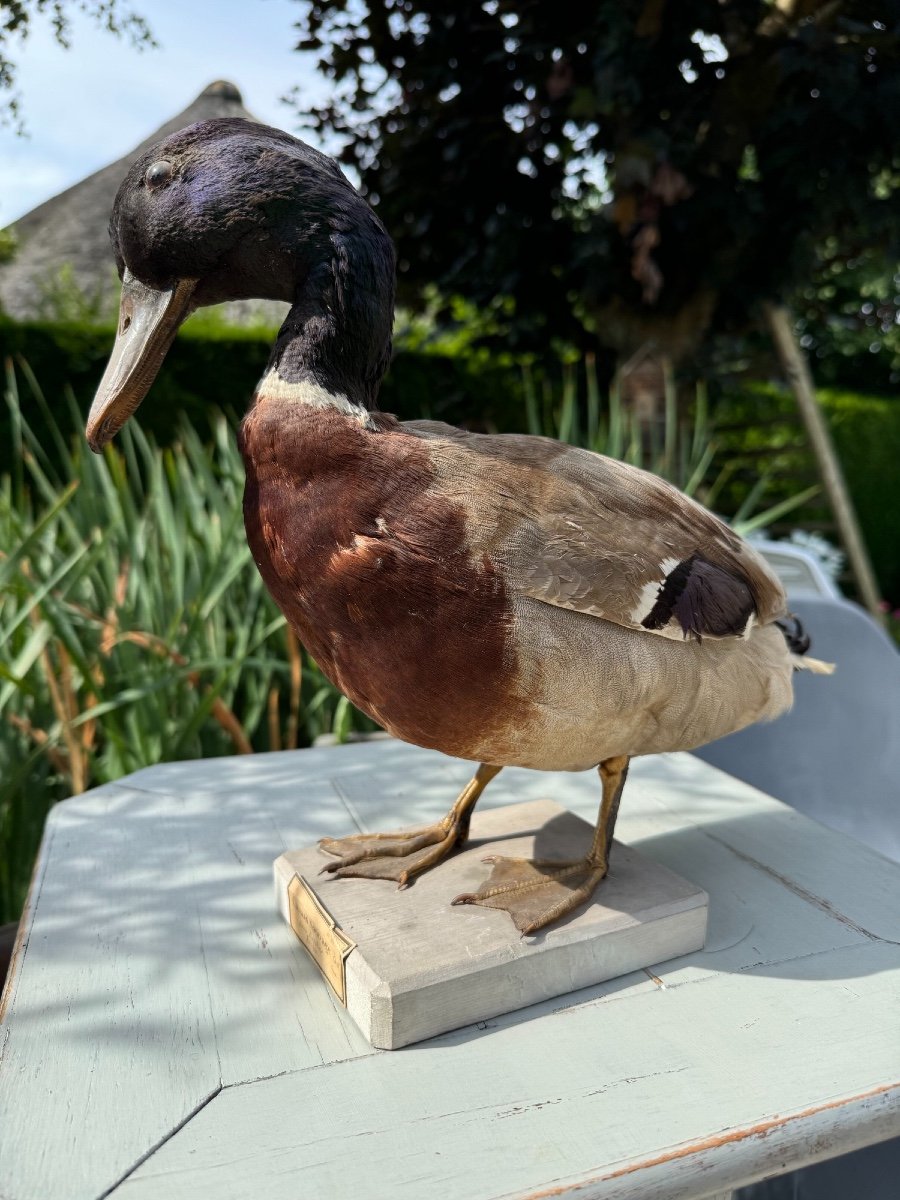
421,967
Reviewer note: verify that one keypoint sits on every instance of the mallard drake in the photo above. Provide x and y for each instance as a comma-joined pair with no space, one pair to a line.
505,599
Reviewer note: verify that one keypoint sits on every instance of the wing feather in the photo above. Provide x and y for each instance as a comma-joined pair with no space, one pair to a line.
585,532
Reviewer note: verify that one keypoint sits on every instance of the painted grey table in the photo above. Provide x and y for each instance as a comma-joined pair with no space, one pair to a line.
166,1036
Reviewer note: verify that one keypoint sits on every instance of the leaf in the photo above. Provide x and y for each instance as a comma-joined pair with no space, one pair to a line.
33,538
777,511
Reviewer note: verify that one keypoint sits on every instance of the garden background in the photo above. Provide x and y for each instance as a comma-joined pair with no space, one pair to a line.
592,207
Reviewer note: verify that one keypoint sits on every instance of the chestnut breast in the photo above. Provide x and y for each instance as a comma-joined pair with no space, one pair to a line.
372,570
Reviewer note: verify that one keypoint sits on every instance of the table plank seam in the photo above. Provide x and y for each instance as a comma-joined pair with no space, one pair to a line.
884,1096
810,897
160,1143
267,1078
801,1035
227,791
668,985
563,1010
746,968
122,785
348,804
209,996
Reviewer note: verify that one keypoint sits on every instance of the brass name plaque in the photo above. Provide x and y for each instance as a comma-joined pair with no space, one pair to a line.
326,944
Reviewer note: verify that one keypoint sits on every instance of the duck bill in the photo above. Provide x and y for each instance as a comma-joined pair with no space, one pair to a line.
148,321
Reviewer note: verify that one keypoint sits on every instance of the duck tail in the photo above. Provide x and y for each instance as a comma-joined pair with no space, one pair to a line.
798,643
815,665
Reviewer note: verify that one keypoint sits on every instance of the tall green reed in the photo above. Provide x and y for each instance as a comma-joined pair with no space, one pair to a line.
680,446
134,626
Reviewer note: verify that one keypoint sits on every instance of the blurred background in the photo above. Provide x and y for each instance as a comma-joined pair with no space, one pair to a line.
667,232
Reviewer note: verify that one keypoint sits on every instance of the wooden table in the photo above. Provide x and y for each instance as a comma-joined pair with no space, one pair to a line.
166,1036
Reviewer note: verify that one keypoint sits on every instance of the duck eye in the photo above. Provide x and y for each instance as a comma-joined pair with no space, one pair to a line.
159,173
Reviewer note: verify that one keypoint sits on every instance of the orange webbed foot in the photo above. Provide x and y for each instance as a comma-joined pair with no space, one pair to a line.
536,893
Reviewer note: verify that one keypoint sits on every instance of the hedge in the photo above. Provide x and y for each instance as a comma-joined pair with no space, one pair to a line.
866,432
207,372
762,423
213,369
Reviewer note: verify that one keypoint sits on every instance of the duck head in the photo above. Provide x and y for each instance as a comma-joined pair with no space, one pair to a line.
229,209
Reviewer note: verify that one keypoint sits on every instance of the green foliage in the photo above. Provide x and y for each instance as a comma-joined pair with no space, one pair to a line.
678,448
866,432
134,624
454,326
760,424
135,627
213,368
681,447
892,619
208,371
848,319
626,169
63,299
8,245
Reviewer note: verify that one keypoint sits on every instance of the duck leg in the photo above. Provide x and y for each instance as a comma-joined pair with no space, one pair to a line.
408,852
534,893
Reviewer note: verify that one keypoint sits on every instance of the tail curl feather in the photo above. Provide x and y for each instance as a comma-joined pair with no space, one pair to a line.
815,665
798,643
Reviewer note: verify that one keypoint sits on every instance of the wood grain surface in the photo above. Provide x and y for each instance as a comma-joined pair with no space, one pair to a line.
165,1034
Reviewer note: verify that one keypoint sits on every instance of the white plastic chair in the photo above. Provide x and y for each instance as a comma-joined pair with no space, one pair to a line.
836,755
800,572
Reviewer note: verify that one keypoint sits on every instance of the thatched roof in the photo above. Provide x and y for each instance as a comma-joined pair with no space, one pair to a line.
63,244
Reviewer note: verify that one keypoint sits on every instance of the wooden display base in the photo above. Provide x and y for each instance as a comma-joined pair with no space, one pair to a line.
408,965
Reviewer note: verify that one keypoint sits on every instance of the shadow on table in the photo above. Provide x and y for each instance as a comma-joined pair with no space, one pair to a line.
161,879
198,884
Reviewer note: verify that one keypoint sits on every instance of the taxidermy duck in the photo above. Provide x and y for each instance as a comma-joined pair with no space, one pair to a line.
505,599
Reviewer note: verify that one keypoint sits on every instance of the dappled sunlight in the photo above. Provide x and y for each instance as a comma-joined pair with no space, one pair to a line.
172,868
158,966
